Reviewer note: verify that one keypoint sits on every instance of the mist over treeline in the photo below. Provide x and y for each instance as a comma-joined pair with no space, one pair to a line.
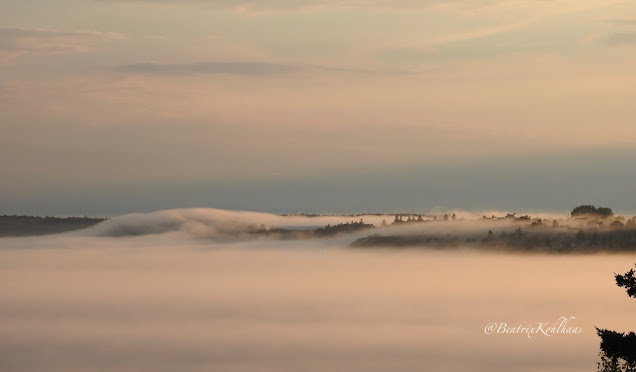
586,229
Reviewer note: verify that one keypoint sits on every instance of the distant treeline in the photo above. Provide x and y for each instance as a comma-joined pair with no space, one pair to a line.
354,214
15,225
529,240
343,228
329,230
589,229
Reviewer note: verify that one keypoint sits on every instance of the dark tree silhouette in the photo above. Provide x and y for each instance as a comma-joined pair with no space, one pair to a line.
627,281
618,350
604,211
587,209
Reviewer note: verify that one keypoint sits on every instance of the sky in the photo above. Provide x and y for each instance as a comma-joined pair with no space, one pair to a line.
110,107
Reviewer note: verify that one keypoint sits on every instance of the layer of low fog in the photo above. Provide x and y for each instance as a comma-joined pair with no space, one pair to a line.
217,224
165,302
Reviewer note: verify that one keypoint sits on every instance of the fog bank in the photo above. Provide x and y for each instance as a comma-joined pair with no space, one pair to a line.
165,303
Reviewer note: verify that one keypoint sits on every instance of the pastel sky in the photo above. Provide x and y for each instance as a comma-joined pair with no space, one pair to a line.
115,106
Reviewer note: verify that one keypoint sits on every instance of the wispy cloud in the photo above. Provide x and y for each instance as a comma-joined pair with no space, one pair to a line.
622,38
626,22
15,42
483,43
626,36
308,5
233,68
463,50
239,68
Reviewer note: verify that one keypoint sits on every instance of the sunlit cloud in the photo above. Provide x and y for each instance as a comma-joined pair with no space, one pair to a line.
18,41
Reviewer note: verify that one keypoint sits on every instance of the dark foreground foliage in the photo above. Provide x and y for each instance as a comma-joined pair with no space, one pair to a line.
618,350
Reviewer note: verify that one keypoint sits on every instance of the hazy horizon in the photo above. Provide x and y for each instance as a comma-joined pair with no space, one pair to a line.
542,183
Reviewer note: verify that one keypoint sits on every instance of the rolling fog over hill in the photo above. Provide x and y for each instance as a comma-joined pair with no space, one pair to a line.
196,290
586,230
